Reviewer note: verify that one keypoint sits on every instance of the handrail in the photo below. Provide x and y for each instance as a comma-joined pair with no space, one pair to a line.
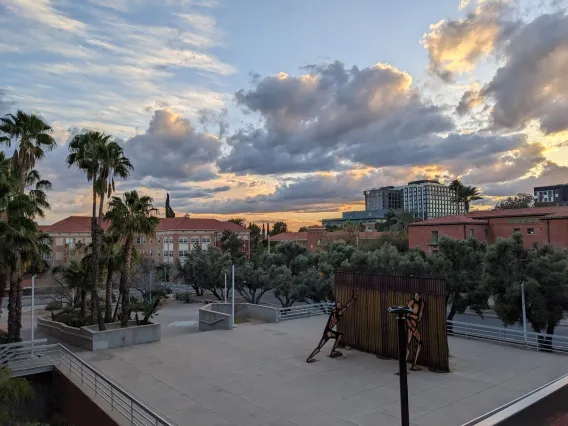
509,336
19,357
304,311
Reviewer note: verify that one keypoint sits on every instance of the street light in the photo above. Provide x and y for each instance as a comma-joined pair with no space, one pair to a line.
402,312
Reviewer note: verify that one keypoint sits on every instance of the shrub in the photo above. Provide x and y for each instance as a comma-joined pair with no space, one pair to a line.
72,318
53,305
185,297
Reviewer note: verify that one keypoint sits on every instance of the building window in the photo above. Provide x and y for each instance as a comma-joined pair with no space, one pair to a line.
159,252
159,240
486,231
530,231
151,253
194,241
139,239
516,230
182,253
69,242
205,241
472,232
183,240
434,237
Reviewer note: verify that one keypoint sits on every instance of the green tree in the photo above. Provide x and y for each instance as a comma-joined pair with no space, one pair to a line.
303,229
251,281
331,228
544,273
464,194
76,276
129,218
460,262
32,138
14,392
278,228
238,221
231,243
255,236
101,159
519,201
169,211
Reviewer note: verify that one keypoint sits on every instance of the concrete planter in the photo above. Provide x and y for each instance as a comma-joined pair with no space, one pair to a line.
217,316
90,338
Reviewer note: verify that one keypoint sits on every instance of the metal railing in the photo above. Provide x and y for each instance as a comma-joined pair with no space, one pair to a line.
510,336
304,311
19,357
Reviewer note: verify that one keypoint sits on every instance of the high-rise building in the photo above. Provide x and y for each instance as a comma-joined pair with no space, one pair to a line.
385,198
429,198
551,195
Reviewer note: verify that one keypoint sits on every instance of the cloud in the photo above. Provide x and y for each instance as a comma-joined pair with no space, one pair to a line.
312,193
314,122
471,99
43,12
172,148
455,46
532,83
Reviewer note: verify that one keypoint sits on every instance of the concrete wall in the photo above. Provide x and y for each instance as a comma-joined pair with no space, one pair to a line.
90,338
116,337
74,336
210,319
220,315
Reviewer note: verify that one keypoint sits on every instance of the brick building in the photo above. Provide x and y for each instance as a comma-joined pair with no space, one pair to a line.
175,238
539,225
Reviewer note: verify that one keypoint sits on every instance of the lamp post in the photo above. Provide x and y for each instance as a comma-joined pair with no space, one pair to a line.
402,312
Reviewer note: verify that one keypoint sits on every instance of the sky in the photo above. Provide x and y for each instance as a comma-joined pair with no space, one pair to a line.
289,110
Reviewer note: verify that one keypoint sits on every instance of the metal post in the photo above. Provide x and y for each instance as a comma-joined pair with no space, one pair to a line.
225,288
33,313
233,298
401,312
150,286
524,311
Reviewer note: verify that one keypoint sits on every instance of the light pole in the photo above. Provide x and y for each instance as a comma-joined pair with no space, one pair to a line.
402,312
33,313
233,297
524,311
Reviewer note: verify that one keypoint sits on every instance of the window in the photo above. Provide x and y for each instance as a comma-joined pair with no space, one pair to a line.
59,241
486,233
434,237
151,254
69,242
171,253
139,239
205,241
159,252
194,241
516,230
159,240
183,240
182,253
472,232
530,231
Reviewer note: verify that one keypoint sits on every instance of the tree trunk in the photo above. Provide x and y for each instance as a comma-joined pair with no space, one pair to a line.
125,284
108,295
466,205
95,260
549,331
11,308
116,307
3,284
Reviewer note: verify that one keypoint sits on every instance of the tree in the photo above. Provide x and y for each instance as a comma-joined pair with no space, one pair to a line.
543,271
263,232
76,276
251,282
129,218
464,194
519,201
238,221
303,229
33,137
255,236
231,242
331,228
169,211
111,260
279,228
460,262
14,391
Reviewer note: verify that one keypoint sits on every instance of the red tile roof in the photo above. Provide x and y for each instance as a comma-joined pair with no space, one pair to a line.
534,211
450,220
74,224
558,215
290,236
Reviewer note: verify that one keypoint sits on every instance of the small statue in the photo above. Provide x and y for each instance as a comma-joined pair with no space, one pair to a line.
336,314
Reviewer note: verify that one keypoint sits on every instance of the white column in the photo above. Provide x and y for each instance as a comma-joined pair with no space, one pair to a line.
233,298
524,311
33,313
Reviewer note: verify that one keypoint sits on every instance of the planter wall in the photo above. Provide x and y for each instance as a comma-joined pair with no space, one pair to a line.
217,316
91,338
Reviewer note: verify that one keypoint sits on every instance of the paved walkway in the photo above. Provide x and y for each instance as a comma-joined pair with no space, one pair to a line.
256,375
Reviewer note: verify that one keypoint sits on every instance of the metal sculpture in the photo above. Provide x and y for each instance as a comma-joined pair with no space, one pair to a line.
336,314
416,304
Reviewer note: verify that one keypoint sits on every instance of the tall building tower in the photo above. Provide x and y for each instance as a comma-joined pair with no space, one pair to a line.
429,198
385,198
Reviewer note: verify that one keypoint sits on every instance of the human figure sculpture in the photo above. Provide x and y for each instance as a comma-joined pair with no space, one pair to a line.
412,322
329,333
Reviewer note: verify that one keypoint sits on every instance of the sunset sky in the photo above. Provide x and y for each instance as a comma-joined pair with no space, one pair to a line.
288,110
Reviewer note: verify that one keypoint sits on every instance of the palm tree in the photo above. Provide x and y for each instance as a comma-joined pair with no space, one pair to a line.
101,159
464,194
130,218
76,276
32,137
111,260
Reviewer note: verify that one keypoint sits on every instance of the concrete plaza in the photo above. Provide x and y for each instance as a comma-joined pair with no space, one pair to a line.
256,375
